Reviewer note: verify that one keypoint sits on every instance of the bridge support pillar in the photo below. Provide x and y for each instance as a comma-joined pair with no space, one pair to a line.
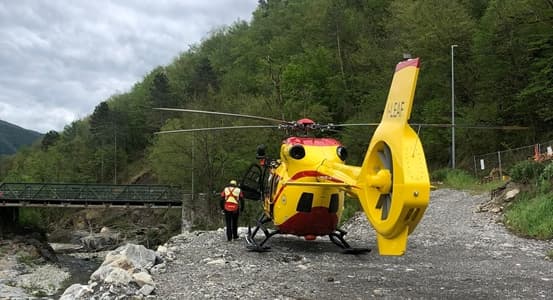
9,217
186,213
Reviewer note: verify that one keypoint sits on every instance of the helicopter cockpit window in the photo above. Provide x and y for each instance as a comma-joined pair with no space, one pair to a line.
297,152
342,153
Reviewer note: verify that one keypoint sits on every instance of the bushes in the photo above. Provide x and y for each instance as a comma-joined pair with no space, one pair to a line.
538,174
526,172
440,175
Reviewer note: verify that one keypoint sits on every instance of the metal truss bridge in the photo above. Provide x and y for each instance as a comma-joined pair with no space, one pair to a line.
89,195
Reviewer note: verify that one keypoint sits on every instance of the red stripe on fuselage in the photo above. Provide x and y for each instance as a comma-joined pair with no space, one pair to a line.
313,173
303,174
317,222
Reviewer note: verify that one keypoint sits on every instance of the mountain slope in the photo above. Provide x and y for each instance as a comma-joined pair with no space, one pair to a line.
12,137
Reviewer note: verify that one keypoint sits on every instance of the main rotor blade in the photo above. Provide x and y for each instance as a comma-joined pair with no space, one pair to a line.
215,128
441,125
471,126
222,114
355,124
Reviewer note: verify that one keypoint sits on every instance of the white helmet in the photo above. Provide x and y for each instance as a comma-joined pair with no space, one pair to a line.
233,182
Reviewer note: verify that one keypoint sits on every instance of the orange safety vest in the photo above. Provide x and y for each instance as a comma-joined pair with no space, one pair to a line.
232,196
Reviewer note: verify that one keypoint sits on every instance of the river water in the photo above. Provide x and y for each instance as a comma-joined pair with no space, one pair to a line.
80,266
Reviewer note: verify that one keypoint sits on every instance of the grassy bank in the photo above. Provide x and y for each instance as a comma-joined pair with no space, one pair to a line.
461,180
531,216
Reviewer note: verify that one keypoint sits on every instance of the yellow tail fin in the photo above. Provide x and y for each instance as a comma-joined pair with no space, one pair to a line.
394,183
402,92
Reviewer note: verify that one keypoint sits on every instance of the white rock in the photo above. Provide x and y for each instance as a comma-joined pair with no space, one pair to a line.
101,273
218,262
120,261
146,290
105,230
161,249
76,291
138,255
143,278
118,277
511,194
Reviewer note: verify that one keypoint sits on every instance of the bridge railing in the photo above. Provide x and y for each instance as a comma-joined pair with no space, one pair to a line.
93,194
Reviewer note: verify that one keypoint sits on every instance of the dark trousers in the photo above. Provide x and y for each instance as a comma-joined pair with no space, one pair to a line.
231,220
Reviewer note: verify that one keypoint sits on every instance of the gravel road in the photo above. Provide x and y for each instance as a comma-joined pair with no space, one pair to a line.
455,253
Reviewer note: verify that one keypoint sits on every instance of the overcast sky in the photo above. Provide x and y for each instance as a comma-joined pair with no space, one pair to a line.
59,59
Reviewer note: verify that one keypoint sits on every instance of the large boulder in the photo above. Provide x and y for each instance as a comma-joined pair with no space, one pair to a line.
104,240
76,291
125,271
138,256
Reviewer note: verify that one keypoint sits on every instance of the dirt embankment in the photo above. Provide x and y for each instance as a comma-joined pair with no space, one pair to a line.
455,252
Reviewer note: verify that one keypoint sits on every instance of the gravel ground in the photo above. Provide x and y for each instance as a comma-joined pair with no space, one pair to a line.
454,253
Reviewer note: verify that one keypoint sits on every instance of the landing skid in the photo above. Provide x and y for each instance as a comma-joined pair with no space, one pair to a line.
337,238
253,245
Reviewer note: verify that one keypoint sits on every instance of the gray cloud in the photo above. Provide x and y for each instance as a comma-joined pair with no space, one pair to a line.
61,58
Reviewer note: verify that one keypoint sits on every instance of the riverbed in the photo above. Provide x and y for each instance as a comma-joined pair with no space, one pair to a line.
24,275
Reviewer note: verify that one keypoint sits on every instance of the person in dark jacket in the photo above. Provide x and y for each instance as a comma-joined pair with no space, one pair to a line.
232,204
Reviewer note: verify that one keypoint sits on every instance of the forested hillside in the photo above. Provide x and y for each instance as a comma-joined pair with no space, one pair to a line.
13,137
330,60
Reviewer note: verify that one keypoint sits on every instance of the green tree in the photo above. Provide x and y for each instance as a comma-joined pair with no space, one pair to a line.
427,29
49,139
101,123
512,46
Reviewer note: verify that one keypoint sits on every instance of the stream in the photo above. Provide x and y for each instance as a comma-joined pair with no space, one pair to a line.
80,266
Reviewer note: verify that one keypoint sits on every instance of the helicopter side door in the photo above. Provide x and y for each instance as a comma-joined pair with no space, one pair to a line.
270,192
252,183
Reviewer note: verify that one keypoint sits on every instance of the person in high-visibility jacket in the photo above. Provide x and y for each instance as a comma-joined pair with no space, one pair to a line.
232,204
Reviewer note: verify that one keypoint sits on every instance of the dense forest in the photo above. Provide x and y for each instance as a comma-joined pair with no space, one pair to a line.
330,60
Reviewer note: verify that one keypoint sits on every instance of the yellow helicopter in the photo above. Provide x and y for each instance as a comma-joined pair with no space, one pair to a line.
303,190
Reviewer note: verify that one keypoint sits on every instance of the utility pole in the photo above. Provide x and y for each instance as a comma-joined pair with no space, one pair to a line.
115,155
452,108
193,146
187,208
